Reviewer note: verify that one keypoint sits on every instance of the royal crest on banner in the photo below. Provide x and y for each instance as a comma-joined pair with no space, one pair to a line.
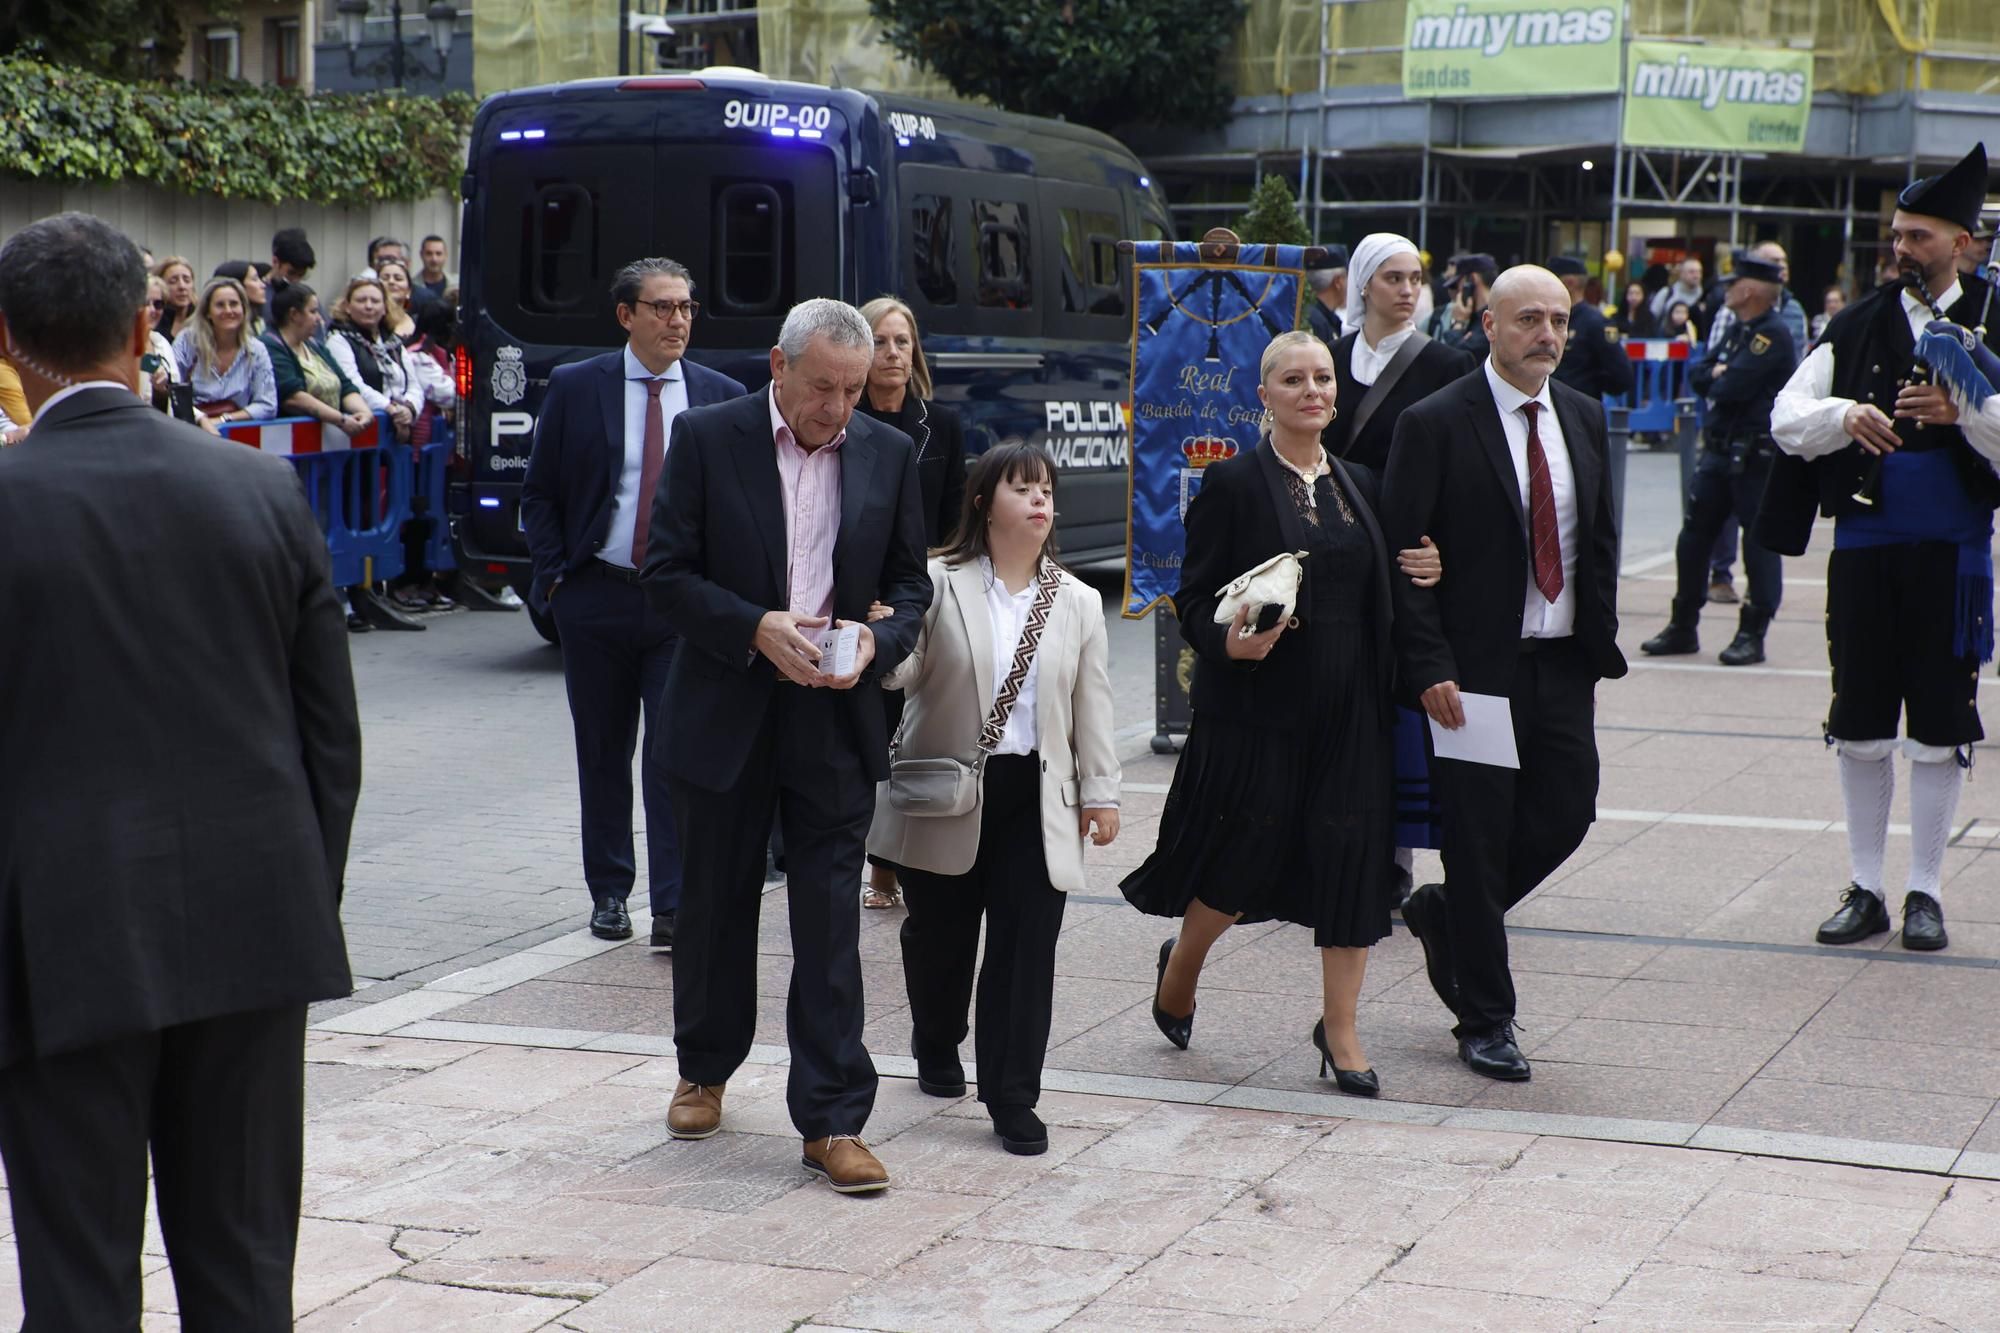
1202,315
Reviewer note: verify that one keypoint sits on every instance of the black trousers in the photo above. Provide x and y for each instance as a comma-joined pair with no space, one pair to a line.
221,1106
1714,497
1506,830
1009,885
804,768
1891,613
616,652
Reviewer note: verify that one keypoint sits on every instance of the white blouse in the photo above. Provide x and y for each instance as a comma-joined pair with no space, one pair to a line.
1009,614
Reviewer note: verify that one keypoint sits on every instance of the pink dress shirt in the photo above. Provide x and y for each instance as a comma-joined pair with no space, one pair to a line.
811,483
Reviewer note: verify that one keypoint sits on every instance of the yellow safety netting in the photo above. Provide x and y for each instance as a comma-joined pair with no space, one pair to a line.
1858,46
520,43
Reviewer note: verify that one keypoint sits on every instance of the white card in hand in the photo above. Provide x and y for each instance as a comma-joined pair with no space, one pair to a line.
1487,736
837,648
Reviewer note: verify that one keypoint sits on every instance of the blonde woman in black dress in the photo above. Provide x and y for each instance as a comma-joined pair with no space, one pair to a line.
1282,807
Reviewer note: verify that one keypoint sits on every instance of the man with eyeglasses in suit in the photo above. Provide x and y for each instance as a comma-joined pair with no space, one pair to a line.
600,447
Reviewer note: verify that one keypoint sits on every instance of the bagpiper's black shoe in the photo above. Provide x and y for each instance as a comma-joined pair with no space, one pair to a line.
1861,914
1923,923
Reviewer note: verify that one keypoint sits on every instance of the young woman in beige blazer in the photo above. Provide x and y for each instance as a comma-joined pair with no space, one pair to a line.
1051,782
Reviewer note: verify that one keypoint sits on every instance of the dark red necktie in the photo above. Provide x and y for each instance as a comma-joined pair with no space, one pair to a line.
654,453
1542,535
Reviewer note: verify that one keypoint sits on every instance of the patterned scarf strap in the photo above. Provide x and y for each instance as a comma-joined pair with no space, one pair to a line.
1046,584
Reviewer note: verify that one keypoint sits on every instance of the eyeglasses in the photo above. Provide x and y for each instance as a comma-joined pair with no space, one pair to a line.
160,304
668,309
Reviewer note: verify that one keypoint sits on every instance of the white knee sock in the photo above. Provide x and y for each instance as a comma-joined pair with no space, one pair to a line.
1934,788
1867,786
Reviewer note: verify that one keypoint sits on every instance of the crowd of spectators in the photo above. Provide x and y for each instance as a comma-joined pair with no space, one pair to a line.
255,343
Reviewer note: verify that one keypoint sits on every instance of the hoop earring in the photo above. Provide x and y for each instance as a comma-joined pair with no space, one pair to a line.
1333,414
1267,419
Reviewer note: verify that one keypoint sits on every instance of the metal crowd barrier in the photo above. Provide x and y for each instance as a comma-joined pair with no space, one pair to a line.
362,490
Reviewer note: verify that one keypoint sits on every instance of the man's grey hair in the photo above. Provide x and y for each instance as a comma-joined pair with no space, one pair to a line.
840,323
70,287
628,282
1323,278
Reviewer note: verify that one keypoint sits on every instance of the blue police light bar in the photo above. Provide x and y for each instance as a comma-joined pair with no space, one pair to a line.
811,134
1145,182
514,136
489,502
783,132
534,134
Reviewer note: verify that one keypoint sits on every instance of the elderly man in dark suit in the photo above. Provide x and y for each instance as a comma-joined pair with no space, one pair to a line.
179,762
783,515
586,504
1505,469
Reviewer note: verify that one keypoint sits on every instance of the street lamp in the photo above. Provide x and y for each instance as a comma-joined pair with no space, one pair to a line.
442,16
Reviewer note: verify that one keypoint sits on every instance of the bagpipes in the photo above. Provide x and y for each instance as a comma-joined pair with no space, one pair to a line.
1959,357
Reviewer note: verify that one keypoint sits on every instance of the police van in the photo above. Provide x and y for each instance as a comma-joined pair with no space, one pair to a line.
1000,231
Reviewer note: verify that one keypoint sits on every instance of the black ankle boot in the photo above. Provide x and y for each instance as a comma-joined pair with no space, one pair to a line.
1747,648
1679,637
1020,1129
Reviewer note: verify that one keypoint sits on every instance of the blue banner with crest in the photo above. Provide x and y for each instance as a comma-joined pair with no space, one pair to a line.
1198,331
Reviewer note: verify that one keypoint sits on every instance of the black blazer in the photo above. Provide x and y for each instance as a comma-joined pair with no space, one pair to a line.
1451,476
1242,516
180,755
940,442
715,564
1436,366
578,457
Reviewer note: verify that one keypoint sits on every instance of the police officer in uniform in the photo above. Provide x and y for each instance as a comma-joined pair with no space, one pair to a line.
1905,467
1741,381
1594,362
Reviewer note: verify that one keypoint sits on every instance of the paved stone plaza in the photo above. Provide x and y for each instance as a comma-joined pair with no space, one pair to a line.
1729,1127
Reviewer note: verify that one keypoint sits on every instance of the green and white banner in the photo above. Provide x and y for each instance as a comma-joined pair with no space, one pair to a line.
1510,48
1717,97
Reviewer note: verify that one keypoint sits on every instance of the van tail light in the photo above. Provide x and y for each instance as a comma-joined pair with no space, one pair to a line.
669,85
462,415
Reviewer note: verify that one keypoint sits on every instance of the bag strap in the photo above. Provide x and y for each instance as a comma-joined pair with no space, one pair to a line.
1391,375
1024,654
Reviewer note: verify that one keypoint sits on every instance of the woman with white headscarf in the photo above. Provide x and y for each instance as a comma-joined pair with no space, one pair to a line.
1384,365
1384,281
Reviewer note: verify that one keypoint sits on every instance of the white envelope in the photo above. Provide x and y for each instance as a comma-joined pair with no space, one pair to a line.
1487,736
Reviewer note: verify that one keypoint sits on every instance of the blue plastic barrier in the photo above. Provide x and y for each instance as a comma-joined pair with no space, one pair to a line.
359,493
429,495
1658,388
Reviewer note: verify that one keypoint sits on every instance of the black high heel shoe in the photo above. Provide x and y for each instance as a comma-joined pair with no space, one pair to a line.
1179,1031
1353,1082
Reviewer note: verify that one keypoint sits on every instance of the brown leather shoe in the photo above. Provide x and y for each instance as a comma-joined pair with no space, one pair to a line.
696,1111
846,1163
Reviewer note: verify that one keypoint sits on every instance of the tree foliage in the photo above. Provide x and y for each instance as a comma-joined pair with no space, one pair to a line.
1273,218
232,141
127,39
1103,63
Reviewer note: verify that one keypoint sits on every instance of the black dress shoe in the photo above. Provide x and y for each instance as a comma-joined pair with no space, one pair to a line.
1353,1082
939,1078
1179,1031
610,921
1861,914
663,931
1494,1054
1021,1131
1923,923
1423,914
356,625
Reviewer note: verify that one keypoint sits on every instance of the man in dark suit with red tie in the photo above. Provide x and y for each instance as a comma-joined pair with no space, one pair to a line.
600,448
1505,470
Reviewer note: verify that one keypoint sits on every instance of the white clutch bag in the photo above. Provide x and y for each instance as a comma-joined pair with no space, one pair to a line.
1276,580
